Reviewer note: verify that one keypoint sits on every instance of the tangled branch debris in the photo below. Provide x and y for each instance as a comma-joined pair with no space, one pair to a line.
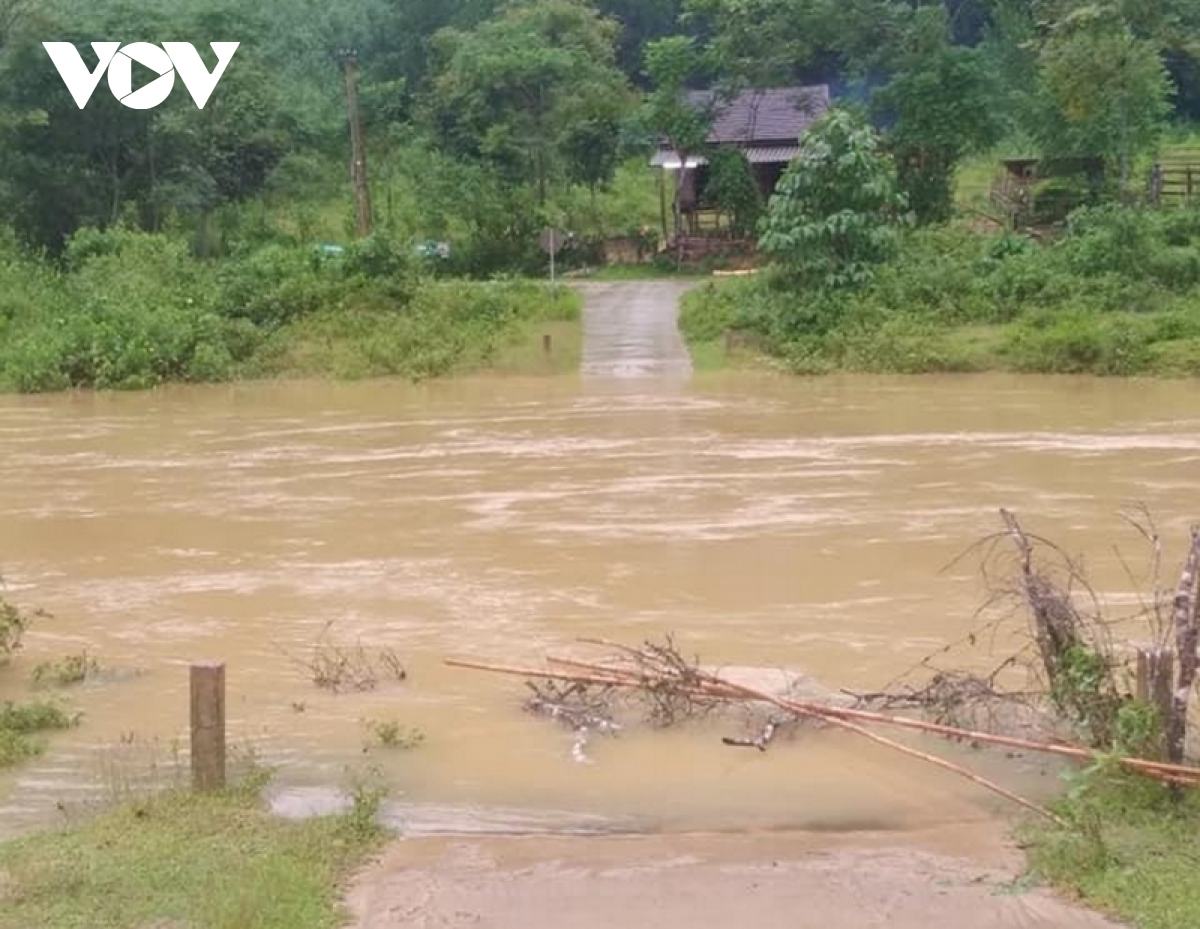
1078,680
582,707
711,689
336,667
1073,651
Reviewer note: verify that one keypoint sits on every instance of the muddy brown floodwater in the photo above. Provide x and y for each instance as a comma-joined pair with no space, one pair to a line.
765,520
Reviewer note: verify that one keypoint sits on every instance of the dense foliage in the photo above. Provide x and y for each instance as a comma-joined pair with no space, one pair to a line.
836,212
134,309
1118,295
143,245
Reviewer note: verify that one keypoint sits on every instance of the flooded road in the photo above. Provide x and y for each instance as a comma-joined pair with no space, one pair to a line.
763,520
630,330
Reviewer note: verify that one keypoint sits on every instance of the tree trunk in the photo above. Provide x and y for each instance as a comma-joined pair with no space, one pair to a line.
680,178
1187,633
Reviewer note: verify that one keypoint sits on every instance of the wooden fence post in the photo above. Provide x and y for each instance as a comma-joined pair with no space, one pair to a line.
546,343
1155,679
208,725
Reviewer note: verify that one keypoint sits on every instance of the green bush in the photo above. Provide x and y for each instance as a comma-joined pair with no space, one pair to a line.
133,310
1078,341
1118,294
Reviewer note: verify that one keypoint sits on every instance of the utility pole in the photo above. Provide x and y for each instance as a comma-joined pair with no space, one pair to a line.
358,146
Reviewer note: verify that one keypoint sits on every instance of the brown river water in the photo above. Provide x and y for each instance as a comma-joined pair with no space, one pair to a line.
764,520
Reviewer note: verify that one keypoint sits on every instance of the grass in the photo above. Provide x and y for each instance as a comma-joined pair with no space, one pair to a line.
453,327
201,861
1131,851
715,355
526,354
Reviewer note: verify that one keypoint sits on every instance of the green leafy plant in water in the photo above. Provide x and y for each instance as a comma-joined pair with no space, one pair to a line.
13,624
73,669
389,733
20,724
367,793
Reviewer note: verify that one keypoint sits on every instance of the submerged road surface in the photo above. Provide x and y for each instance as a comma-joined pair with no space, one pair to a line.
706,882
630,329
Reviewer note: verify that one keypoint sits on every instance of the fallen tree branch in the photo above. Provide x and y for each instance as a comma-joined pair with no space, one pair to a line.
613,677
715,687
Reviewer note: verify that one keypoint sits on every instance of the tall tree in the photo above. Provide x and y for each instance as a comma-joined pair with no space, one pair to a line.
518,90
667,111
402,33
641,22
1104,92
942,103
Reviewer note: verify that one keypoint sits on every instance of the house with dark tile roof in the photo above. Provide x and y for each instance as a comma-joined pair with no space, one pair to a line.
764,124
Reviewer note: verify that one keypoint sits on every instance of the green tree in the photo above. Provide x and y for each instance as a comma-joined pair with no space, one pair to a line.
642,21
761,43
1103,92
668,112
401,40
67,168
732,188
514,90
943,104
837,211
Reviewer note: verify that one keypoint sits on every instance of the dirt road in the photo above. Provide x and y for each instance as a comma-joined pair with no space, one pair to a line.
956,878
630,329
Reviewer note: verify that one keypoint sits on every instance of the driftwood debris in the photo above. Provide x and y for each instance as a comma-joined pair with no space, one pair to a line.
574,704
632,669
1068,647
607,676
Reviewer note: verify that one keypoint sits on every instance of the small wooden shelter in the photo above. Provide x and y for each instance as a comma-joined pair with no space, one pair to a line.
764,124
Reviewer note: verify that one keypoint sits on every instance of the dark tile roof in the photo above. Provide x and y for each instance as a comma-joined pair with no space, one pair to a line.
776,114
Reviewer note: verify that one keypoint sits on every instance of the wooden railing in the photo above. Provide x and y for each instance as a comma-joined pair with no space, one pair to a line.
1175,179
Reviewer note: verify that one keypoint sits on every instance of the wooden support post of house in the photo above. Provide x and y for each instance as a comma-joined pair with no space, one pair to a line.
662,204
1155,677
208,725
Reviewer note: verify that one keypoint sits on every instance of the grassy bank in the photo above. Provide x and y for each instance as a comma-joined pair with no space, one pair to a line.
131,310
179,859
1118,294
1131,851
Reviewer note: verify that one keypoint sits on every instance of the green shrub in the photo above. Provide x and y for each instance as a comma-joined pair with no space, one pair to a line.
1079,342
707,311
